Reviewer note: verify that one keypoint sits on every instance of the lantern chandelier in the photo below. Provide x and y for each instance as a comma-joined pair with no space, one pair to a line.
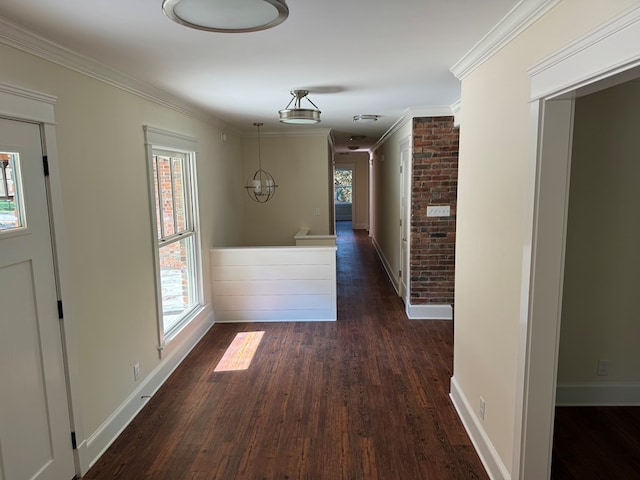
261,186
297,114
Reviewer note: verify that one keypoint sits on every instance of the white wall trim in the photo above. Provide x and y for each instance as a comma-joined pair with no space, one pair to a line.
26,41
523,15
298,132
614,43
429,312
395,281
456,109
611,49
157,137
95,446
598,394
24,104
472,424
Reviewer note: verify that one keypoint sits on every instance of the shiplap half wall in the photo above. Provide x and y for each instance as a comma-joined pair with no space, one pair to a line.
273,284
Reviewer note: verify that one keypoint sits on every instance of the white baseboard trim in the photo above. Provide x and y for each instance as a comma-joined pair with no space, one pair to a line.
92,448
360,226
486,451
395,281
429,312
598,394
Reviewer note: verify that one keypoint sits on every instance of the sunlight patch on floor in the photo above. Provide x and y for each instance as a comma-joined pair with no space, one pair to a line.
240,353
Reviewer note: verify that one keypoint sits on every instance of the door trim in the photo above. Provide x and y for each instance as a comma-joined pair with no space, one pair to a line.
606,56
23,104
406,162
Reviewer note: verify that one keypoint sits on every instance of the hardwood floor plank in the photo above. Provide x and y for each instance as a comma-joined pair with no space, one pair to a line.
596,443
365,397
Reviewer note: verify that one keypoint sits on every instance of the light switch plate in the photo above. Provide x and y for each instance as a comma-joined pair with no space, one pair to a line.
439,211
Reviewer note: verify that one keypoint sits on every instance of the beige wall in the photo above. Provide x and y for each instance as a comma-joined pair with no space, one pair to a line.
108,227
360,162
495,148
602,268
300,165
386,212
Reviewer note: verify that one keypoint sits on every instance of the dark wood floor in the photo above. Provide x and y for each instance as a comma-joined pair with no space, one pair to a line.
365,397
596,443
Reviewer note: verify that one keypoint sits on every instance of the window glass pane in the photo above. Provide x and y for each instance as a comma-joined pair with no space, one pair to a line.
165,190
178,283
342,184
180,204
11,209
156,194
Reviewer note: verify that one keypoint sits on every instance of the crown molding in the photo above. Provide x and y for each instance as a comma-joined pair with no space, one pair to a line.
521,17
410,114
26,41
298,132
456,108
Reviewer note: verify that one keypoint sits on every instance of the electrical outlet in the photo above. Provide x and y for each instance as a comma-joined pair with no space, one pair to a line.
482,408
439,211
603,368
136,372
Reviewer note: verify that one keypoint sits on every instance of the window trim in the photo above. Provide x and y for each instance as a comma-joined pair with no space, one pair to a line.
158,139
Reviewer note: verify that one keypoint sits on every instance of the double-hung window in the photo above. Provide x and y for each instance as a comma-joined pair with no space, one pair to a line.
176,234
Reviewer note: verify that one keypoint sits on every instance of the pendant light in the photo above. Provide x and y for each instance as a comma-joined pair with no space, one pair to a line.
261,186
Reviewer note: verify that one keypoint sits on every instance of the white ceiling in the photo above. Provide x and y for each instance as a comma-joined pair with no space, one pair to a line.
355,56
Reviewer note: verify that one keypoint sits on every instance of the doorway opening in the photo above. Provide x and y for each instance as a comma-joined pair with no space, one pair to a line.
343,193
598,61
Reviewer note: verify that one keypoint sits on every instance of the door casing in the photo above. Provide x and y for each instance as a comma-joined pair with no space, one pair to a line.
24,104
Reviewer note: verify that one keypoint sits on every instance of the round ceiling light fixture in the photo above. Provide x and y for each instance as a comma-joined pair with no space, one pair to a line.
365,118
298,115
227,16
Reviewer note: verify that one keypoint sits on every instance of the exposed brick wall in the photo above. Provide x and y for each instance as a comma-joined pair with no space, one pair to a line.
434,182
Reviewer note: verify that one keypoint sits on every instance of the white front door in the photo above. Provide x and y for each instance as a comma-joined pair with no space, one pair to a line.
35,433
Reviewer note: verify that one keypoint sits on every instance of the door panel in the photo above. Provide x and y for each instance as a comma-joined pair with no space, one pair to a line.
35,440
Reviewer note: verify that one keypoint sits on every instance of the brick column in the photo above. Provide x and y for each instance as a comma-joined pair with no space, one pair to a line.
434,182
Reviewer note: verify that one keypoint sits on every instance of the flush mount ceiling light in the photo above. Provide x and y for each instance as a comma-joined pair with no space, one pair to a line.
297,114
227,16
261,186
365,118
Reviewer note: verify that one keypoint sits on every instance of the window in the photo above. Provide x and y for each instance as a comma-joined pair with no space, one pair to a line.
343,180
176,236
11,212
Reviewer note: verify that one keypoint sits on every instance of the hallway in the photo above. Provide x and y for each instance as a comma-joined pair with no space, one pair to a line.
365,397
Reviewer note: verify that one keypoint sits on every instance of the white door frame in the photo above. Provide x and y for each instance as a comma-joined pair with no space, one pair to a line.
406,166
22,104
607,56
